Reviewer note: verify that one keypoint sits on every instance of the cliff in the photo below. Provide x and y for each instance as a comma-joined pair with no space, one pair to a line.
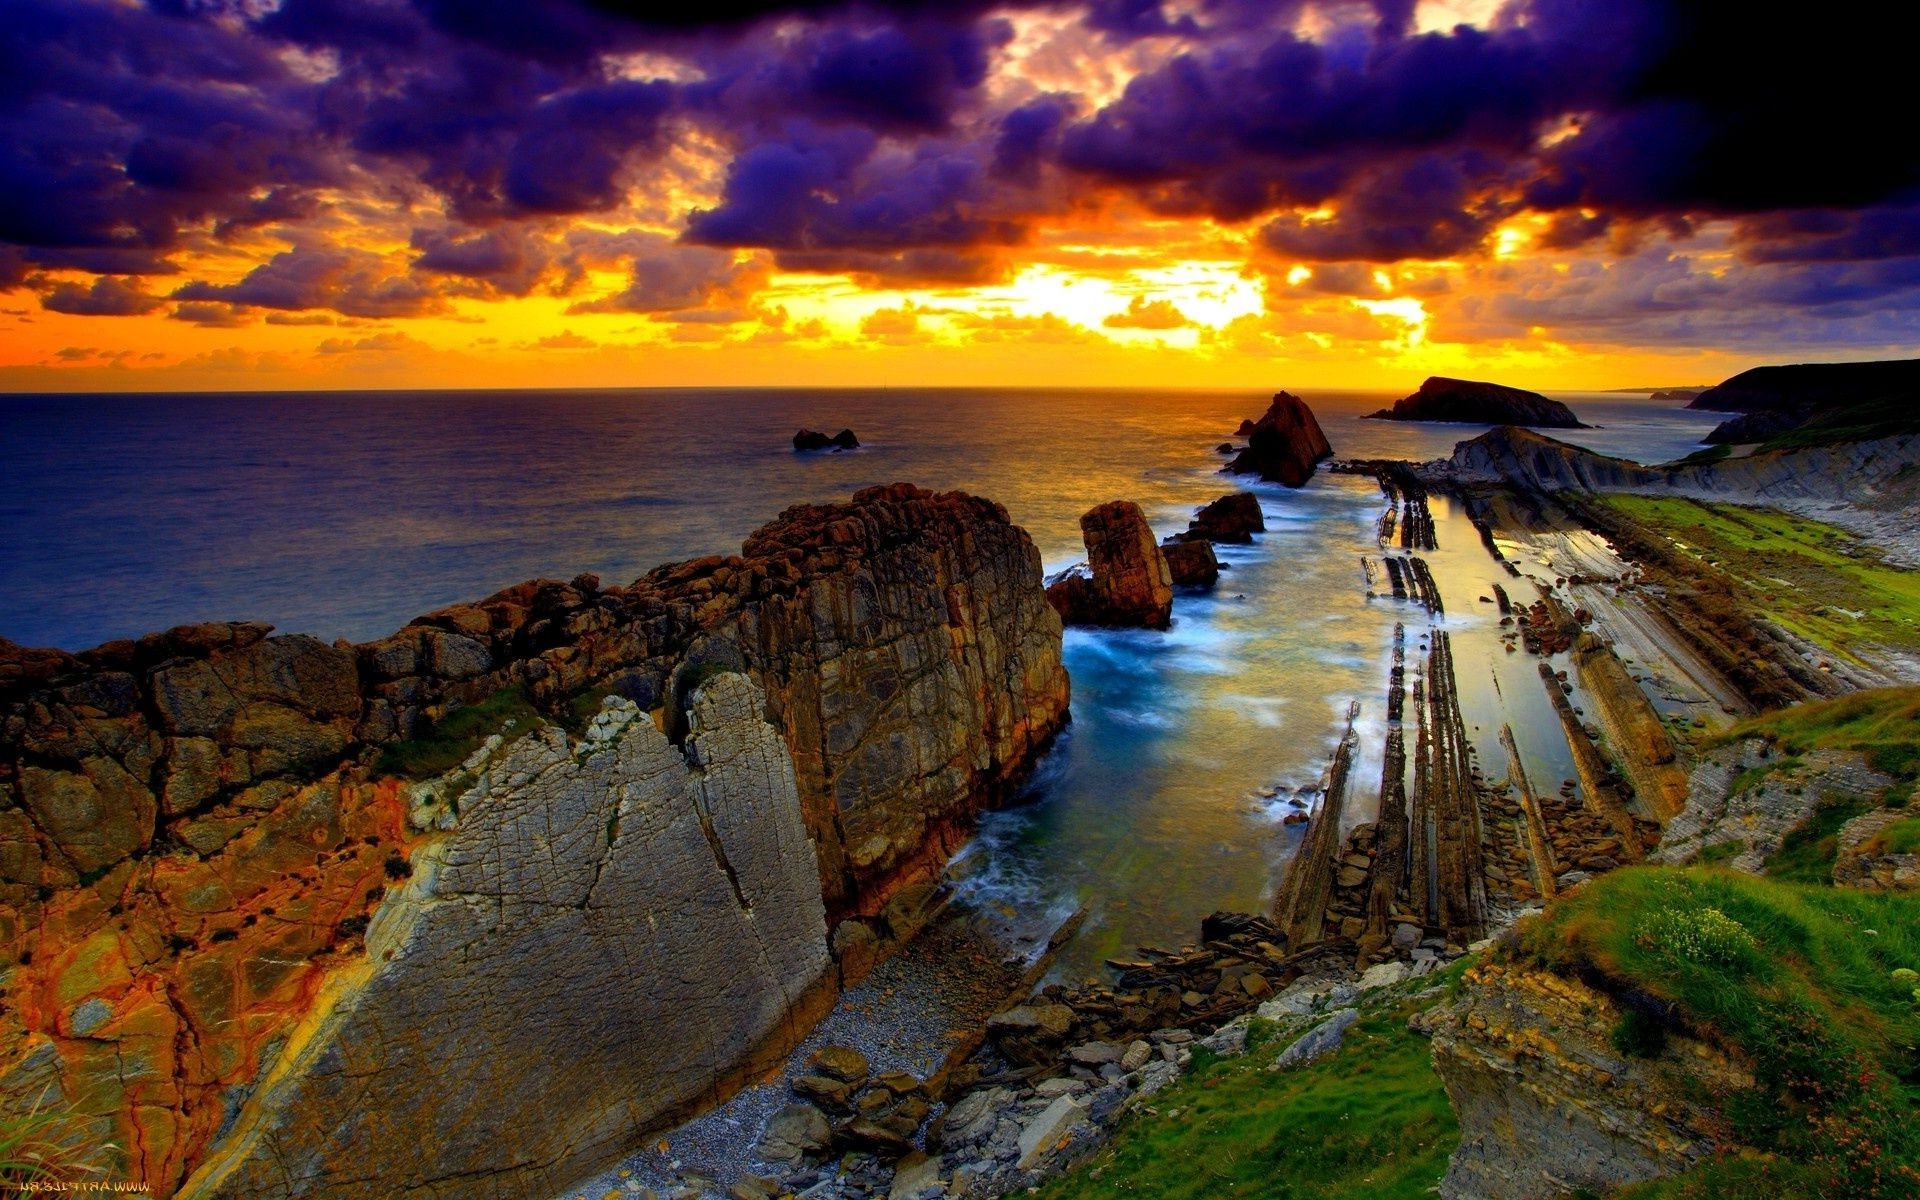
199,830
520,1016
1473,403
1284,445
1747,1035
1816,403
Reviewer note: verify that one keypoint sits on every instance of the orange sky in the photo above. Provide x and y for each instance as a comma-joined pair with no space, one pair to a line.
1066,277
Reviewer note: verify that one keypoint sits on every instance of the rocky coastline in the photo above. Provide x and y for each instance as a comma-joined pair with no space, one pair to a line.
223,884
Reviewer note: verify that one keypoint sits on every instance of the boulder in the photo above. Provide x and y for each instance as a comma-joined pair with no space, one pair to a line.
1192,564
1130,584
1284,445
795,1132
1474,403
1235,518
1322,1039
839,1062
1047,1131
812,439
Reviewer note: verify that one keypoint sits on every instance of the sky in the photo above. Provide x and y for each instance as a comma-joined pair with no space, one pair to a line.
266,194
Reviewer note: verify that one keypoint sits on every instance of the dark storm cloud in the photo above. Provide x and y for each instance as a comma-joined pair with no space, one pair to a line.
871,137
119,127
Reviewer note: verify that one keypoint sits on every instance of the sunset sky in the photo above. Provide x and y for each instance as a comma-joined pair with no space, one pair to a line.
456,193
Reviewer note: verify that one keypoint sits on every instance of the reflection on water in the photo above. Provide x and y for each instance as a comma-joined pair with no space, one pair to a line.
346,515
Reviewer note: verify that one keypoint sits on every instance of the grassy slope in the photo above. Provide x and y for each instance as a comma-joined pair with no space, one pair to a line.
1370,1122
1808,576
1883,724
1790,976
1805,575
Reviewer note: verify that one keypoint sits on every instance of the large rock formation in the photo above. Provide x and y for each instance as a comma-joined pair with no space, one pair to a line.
1284,445
1548,1107
520,1015
197,827
1130,583
1473,403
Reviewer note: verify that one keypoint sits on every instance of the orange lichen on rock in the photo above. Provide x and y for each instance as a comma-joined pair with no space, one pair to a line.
166,983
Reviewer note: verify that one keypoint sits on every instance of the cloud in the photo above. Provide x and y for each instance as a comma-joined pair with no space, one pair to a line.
664,276
564,340
1142,313
354,283
379,343
213,316
107,296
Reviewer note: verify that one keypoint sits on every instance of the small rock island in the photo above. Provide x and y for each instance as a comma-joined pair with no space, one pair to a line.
1470,402
813,439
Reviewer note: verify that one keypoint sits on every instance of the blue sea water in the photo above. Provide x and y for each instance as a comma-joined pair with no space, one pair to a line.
346,514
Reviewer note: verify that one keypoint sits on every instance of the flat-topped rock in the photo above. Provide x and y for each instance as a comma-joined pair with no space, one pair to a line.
1472,402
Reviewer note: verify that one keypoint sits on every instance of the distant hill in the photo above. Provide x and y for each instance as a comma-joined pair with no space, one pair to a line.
1811,404
1473,402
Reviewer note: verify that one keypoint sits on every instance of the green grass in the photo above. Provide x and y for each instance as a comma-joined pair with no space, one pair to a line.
1370,1122
1707,454
1884,723
1807,854
1795,980
458,734
1901,837
1813,579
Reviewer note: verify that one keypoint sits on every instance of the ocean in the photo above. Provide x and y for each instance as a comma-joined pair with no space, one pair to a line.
347,514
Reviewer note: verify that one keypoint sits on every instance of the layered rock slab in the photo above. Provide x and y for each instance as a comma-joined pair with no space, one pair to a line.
1547,1106
516,1019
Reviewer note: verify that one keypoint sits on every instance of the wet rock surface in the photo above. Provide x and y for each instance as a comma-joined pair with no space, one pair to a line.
1192,564
813,439
1231,519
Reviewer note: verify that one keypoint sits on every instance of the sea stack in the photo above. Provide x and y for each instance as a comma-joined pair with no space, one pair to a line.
1471,402
1130,583
1284,445
1192,563
1234,518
